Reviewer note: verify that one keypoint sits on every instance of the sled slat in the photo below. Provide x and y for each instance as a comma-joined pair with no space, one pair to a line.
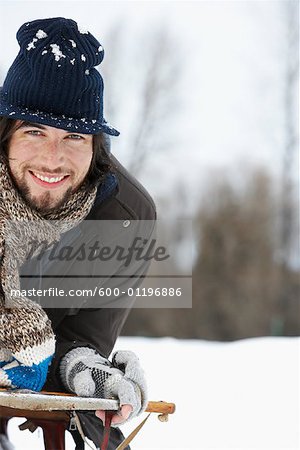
42,402
58,401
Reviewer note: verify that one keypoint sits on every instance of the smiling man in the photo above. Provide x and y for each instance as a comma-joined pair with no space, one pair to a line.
56,170
48,164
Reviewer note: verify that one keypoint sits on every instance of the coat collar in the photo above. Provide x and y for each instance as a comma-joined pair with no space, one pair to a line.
108,185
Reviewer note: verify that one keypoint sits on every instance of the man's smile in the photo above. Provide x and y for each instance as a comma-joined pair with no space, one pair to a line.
48,181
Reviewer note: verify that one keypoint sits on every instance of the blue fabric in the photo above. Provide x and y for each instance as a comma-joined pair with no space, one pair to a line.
53,80
106,187
29,377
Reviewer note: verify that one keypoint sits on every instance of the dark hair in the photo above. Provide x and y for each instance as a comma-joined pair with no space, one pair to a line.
101,162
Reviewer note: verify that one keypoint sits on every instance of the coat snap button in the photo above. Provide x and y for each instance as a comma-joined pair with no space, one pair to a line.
126,223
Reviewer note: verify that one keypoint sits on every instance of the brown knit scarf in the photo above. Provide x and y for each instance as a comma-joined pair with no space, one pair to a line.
24,325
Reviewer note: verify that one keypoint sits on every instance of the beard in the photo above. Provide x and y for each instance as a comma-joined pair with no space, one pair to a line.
44,203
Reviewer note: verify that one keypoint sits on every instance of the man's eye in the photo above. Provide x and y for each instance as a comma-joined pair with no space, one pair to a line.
33,132
75,137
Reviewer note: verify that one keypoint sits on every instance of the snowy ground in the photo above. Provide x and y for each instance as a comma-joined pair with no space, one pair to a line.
242,395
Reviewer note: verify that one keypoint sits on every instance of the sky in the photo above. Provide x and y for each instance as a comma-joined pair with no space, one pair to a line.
229,92
243,395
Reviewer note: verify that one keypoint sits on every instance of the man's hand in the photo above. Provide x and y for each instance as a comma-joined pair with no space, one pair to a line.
121,417
88,374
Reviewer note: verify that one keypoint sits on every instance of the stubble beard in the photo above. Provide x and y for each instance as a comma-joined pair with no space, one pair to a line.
43,204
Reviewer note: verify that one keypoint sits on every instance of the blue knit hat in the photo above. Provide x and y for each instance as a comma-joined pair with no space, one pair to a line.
53,80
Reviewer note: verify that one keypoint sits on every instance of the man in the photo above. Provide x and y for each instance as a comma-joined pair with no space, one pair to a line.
56,171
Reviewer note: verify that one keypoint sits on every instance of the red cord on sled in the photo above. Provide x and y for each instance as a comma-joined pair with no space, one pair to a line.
108,417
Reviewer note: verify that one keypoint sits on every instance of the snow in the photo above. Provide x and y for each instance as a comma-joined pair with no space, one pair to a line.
57,52
41,34
82,29
31,44
241,395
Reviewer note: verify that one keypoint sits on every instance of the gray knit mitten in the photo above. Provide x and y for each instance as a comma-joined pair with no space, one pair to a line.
88,374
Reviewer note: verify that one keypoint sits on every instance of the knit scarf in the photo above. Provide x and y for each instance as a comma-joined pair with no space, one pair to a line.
27,341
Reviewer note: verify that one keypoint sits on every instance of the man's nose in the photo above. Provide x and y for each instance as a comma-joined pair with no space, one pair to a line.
54,152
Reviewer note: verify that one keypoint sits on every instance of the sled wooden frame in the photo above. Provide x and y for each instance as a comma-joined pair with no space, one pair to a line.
53,411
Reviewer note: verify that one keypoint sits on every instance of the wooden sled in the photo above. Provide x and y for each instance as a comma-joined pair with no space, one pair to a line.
56,412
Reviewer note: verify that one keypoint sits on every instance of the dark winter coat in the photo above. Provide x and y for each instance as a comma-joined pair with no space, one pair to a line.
120,198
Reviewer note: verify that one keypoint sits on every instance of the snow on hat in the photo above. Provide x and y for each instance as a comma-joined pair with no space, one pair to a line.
53,80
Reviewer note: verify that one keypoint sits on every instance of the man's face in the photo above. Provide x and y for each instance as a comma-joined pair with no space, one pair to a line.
48,164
